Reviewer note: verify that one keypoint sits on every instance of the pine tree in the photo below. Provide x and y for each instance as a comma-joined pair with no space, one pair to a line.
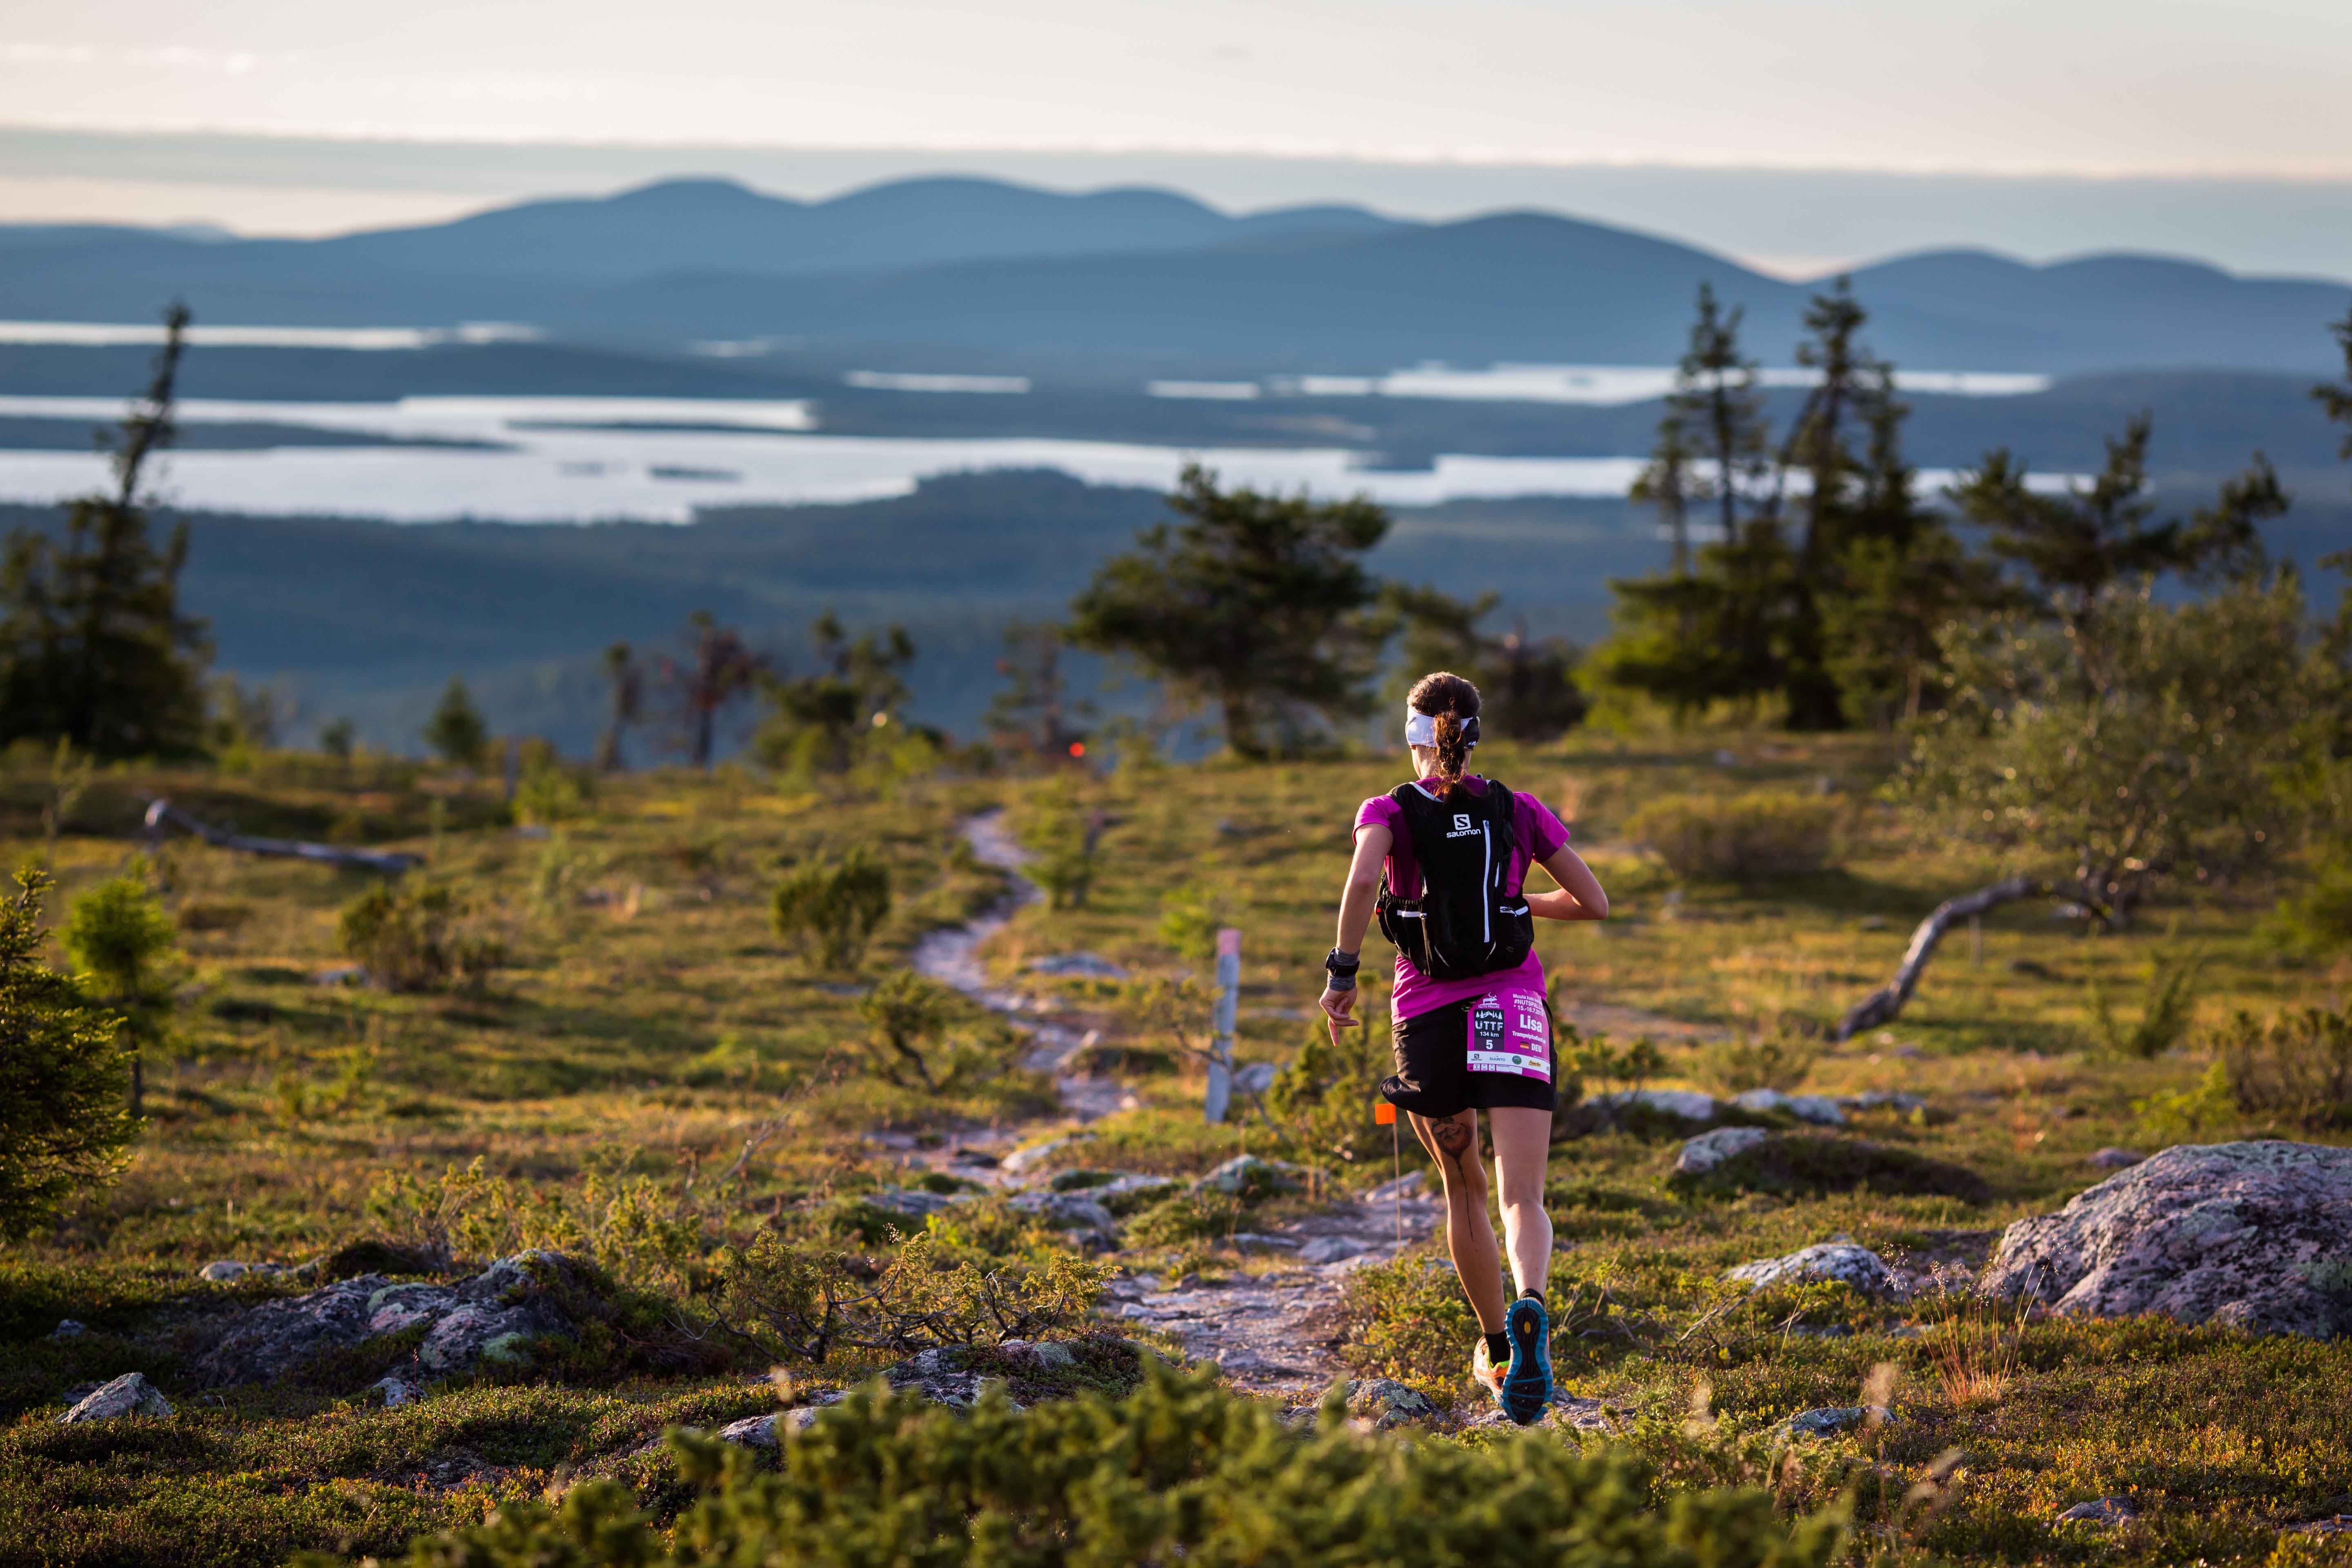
856,687
1257,604
93,647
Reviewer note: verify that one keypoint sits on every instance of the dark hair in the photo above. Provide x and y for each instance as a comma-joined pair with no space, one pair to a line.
1452,702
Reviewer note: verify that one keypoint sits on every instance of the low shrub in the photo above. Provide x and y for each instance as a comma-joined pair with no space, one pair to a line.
831,911
2296,1068
1179,1471
2166,1010
1737,839
1408,1320
1189,1217
1775,1061
795,1302
418,935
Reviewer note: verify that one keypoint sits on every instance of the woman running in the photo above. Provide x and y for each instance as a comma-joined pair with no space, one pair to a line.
1442,861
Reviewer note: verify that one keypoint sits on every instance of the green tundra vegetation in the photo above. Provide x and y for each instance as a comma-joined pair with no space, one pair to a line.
634,1065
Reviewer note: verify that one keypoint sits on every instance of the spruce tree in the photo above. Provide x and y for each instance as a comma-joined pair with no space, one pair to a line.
93,647
63,1071
457,732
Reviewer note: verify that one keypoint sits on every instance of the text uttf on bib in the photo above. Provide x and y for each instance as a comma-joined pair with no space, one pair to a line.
1511,1032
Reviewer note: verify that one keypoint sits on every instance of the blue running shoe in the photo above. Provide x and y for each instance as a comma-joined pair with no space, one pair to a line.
1525,1392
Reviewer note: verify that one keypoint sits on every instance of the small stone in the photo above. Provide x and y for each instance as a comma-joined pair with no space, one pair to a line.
1254,1241
1386,1403
1023,1160
753,1432
2105,1511
2114,1159
1683,1104
67,1328
1331,1249
225,1269
397,1391
1404,1187
1814,1108
1839,1262
913,1203
130,1394
1248,1174
1709,1150
2339,1525
1829,1420
1051,1353
1068,1211
1877,1098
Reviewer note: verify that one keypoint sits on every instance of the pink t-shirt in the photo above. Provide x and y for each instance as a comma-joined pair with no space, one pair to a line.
1540,834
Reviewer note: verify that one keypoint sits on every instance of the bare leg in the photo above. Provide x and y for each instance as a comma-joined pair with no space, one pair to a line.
1522,1145
1452,1140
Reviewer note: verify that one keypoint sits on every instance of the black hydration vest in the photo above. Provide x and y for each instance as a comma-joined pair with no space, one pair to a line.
1462,925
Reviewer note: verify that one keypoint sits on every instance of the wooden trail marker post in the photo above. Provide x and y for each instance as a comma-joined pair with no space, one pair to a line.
1223,1023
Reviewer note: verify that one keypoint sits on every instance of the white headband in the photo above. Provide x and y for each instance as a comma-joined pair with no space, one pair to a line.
1421,728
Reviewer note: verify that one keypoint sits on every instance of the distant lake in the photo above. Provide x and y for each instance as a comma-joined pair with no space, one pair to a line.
585,459
574,459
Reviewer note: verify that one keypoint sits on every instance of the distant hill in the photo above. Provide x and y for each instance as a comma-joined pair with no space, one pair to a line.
967,267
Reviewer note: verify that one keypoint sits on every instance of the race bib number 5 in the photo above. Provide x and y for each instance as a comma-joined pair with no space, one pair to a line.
1509,1032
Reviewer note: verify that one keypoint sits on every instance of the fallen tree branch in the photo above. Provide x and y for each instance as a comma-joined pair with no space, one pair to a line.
388,861
1881,1005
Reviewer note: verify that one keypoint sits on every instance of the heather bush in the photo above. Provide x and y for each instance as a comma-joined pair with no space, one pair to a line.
418,935
2296,1068
1739,838
1182,1470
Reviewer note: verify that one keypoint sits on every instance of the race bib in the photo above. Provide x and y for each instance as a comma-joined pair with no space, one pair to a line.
1509,1032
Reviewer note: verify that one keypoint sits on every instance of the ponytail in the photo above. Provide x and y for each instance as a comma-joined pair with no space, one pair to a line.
1453,703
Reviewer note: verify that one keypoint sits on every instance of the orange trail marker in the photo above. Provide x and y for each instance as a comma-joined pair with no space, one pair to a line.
1384,1114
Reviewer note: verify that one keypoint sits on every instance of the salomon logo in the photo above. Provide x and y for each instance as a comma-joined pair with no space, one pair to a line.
1462,828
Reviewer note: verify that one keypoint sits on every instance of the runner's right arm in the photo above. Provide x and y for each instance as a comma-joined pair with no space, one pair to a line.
1579,896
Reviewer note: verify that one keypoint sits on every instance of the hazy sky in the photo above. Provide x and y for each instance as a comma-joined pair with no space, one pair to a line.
2083,85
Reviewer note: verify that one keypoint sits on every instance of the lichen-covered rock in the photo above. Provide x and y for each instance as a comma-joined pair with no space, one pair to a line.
1840,1262
1246,1176
1681,1104
268,1341
1831,1419
940,1377
2254,1235
1068,1211
489,1318
1386,1403
130,1394
224,1269
2103,1511
913,1203
1814,1108
1709,1150
67,1328
1331,1249
397,1307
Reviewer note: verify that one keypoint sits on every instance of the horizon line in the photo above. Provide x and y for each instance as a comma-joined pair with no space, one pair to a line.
1473,157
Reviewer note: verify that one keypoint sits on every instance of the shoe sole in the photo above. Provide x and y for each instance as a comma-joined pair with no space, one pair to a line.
1525,1392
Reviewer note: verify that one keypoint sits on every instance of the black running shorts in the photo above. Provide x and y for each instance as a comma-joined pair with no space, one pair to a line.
1433,1072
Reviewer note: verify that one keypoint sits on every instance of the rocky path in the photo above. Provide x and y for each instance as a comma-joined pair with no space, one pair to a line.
1272,1331
951,956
